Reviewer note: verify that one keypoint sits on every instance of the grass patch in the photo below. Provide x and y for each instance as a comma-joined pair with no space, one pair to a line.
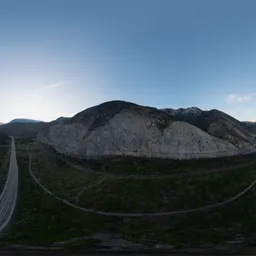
140,165
215,226
4,168
4,164
40,219
167,194
4,139
135,196
57,176
84,243
4,147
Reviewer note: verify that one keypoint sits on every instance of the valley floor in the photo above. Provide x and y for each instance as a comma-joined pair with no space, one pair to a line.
108,194
40,219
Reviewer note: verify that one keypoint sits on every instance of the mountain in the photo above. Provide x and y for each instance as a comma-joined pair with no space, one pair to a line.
188,112
61,120
251,127
24,120
216,123
24,130
124,128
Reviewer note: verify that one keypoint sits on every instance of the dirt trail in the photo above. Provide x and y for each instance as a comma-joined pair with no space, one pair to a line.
178,212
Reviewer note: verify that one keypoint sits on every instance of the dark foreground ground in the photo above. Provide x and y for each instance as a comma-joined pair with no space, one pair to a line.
16,251
40,220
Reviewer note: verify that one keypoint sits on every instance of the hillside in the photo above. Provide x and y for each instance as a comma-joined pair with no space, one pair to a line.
251,127
24,130
61,120
215,123
124,128
4,138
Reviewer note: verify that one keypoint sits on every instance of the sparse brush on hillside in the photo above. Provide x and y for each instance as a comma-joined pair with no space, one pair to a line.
41,220
4,138
110,194
4,147
4,164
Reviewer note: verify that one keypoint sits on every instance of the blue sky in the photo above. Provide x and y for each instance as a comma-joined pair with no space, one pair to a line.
59,57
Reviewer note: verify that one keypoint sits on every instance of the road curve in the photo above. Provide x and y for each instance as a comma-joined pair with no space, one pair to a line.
178,212
8,197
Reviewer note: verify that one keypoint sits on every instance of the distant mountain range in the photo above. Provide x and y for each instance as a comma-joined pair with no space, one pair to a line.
24,120
22,129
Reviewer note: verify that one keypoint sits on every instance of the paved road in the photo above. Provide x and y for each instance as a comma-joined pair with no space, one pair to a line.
8,196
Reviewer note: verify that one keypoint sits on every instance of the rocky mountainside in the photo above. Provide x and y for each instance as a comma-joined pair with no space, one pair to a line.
124,128
61,120
215,123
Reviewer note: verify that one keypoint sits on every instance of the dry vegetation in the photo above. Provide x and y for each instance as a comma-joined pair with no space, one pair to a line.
43,220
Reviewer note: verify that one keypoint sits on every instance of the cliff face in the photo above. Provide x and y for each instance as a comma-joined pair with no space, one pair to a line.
119,128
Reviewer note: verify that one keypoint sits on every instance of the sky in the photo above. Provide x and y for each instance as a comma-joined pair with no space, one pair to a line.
59,57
